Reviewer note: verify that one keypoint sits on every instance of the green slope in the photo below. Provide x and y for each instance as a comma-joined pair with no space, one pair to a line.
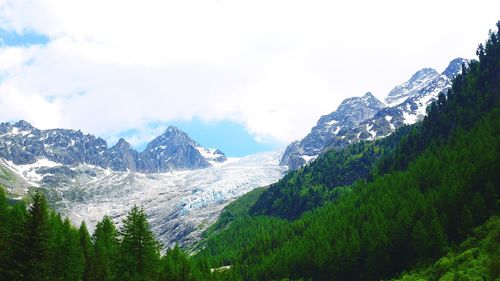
381,228
419,198
477,258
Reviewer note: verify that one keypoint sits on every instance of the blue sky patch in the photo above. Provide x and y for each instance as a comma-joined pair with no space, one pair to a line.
10,38
230,137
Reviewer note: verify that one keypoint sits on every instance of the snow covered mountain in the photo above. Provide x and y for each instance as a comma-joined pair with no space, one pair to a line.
24,144
330,128
372,119
180,205
175,150
181,185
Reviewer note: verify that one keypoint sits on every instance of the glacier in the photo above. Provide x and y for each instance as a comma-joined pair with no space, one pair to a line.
179,205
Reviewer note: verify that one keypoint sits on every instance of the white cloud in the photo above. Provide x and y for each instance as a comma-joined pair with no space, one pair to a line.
275,66
30,106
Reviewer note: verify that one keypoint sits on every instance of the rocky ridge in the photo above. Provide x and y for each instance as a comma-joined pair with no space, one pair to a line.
367,118
23,144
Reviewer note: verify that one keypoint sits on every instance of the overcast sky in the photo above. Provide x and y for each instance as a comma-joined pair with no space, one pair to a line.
130,68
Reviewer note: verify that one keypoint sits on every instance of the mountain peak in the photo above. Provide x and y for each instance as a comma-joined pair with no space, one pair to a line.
174,150
411,87
454,67
122,143
367,118
172,129
23,125
368,95
23,144
173,135
423,73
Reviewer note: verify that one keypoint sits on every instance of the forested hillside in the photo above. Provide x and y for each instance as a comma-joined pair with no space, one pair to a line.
477,258
316,183
325,179
417,200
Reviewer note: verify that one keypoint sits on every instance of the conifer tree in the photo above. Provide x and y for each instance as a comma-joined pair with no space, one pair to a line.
57,257
437,239
37,267
4,232
478,205
87,251
490,196
466,222
420,238
139,252
175,266
105,239
16,251
73,262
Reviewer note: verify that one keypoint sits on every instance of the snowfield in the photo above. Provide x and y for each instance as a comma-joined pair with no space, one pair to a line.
180,205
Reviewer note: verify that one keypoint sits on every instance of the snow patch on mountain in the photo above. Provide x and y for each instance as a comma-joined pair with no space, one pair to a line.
29,171
366,118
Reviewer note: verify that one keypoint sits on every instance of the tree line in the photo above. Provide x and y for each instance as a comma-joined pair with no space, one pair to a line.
37,244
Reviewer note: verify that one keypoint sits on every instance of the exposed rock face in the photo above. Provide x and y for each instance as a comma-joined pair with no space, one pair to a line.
23,144
366,118
330,129
122,156
172,150
411,87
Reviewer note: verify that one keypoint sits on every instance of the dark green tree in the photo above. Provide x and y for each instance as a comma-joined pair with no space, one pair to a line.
466,222
105,239
87,251
4,232
37,251
437,239
73,262
479,207
16,251
139,251
419,239
175,266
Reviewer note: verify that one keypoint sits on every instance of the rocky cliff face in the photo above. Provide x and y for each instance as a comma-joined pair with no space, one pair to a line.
172,150
330,129
366,118
122,157
24,144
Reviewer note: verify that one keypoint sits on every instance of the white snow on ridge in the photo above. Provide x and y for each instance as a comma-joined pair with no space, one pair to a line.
372,133
331,122
409,118
209,154
337,130
309,158
16,131
397,100
28,171
425,101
